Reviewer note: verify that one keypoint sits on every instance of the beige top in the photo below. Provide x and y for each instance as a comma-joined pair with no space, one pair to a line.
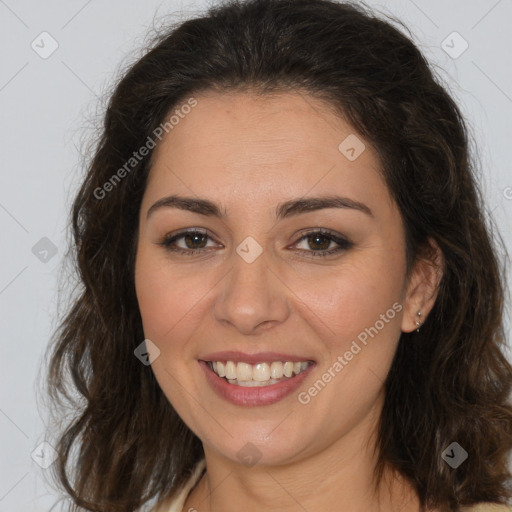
176,505
178,502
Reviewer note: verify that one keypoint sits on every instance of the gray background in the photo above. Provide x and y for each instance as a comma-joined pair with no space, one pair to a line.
48,108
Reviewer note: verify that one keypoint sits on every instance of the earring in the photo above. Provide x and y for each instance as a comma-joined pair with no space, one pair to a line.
419,324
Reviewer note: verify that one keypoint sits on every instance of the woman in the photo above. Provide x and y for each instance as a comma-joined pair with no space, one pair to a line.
291,297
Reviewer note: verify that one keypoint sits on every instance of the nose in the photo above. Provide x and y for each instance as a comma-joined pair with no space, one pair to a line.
252,297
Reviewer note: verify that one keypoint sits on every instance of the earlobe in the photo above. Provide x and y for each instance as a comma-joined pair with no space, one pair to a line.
423,286
418,322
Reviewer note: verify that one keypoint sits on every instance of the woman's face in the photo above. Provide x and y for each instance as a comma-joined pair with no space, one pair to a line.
264,287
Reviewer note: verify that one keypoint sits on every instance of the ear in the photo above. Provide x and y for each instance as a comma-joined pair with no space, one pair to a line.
422,286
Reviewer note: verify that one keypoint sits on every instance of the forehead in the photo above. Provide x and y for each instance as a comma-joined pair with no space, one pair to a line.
266,128
259,145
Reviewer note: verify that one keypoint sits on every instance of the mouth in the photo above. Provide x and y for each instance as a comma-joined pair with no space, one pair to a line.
259,374
254,380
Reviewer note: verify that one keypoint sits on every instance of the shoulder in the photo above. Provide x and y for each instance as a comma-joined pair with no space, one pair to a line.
487,507
176,502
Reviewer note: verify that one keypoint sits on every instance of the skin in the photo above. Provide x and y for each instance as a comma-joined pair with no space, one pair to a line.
248,153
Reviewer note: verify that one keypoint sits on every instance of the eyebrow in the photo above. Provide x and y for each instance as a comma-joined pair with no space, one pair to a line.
283,210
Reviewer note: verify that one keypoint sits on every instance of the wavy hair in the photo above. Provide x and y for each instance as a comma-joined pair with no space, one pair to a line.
449,382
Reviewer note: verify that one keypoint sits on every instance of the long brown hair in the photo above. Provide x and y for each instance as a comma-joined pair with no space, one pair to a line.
448,382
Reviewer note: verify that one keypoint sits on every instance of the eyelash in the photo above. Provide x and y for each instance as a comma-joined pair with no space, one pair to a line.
343,244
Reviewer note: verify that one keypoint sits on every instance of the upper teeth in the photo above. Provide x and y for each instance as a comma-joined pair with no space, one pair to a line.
260,372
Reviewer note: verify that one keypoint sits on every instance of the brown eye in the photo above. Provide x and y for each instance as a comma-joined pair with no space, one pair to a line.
315,241
318,243
186,242
195,238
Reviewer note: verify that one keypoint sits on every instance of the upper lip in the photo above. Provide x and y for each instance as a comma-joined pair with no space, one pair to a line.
260,357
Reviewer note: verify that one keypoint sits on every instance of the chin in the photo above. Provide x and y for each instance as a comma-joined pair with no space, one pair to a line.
250,447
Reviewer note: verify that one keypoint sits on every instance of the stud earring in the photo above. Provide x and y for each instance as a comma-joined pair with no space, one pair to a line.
418,323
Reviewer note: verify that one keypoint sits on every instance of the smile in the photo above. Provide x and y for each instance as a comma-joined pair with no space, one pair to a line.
257,375
254,379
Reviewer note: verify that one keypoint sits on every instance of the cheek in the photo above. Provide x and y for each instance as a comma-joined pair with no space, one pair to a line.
154,298
358,322
166,297
353,297
166,303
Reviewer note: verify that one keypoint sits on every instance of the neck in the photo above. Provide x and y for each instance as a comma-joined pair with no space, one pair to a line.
342,473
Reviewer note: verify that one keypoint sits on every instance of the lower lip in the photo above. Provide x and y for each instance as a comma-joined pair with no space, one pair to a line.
264,395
